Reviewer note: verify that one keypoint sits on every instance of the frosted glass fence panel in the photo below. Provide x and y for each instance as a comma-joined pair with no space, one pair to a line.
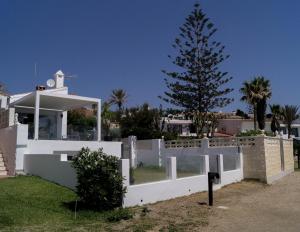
214,165
146,174
190,166
231,162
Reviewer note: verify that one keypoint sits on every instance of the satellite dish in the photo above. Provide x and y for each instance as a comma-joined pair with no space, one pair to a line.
50,83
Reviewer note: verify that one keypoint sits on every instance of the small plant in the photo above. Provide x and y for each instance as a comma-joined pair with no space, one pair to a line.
100,183
145,211
119,214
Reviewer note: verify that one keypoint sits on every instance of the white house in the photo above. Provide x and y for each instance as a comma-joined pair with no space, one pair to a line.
36,123
235,125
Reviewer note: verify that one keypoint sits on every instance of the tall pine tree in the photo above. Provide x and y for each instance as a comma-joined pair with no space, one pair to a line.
198,84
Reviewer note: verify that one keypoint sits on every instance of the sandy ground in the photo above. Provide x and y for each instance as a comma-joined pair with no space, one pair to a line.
263,208
249,206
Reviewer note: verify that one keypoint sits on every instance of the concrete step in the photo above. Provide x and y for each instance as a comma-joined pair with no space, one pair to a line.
1,159
1,164
3,173
2,168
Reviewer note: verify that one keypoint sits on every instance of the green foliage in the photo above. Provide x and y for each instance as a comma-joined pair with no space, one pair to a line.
242,114
119,214
200,85
118,97
276,113
142,122
82,121
256,93
79,119
100,184
250,133
289,114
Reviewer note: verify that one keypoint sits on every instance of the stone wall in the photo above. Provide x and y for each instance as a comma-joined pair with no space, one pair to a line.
265,158
254,160
288,151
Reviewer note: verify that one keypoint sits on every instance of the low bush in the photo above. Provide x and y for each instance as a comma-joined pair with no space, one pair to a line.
100,184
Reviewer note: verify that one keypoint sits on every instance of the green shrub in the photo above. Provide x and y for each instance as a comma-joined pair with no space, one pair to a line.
250,133
255,133
119,214
100,184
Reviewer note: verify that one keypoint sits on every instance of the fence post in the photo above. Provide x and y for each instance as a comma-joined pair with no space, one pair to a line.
205,145
124,169
171,168
241,164
221,166
206,163
132,151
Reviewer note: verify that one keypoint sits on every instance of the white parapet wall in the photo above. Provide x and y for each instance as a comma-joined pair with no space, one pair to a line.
25,146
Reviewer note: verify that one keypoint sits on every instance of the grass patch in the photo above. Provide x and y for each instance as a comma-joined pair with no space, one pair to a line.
30,203
153,173
35,204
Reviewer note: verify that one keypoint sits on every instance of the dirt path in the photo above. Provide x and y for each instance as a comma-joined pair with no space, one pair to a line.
249,206
263,208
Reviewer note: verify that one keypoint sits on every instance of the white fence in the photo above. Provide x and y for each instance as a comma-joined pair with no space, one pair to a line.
175,187
57,169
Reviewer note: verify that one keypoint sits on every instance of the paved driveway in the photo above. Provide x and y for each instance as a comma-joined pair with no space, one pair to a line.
257,207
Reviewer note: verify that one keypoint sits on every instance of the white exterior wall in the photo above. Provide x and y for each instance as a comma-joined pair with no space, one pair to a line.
50,167
51,146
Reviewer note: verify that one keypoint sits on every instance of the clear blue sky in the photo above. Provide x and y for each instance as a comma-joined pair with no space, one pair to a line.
124,44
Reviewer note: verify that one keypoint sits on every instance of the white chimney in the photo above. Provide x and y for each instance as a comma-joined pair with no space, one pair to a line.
59,77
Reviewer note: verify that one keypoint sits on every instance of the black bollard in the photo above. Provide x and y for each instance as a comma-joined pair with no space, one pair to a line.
298,155
212,176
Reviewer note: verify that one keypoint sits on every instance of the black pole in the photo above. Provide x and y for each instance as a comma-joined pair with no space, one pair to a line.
211,177
210,191
298,160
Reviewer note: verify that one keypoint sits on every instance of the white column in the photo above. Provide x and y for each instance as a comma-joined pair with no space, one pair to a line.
221,166
206,163
171,168
99,121
36,115
124,169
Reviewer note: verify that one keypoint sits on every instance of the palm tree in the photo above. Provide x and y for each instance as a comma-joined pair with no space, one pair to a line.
118,97
290,114
276,114
256,93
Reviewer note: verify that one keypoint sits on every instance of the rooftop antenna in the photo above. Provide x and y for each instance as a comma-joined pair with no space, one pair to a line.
72,76
35,70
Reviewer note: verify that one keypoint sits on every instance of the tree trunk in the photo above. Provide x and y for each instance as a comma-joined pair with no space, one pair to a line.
289,131
255,115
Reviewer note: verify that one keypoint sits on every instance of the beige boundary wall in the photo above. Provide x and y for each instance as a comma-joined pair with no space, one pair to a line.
265,158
